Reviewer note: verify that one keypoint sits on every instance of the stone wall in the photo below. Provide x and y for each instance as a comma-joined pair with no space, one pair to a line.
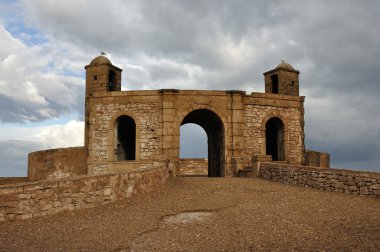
193,166
47,197
317,159
334,180
158,115
13,180
102,141
57,163
256,116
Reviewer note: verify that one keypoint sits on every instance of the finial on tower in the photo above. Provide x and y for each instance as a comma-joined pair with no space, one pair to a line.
283,59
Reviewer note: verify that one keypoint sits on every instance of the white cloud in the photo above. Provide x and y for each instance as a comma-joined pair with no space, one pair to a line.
32,87
57,136
17,141
50,136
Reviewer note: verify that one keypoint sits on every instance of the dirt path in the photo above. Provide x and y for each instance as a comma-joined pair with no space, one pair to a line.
209,214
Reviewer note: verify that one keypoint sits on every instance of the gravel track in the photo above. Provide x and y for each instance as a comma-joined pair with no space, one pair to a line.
208,214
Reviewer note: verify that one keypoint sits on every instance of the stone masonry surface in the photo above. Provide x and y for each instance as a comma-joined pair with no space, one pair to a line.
255,132
147,118
317,159
13,180
57,163
334,180
28,200
193,166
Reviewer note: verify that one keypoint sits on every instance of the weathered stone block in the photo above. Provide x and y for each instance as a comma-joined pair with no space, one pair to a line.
357,180
107,191
350,182
47,207
339,185
375,187
363,190
10,217
342,178
352,188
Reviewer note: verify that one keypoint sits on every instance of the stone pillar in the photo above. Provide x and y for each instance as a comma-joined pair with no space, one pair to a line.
256,163
170,129
235,143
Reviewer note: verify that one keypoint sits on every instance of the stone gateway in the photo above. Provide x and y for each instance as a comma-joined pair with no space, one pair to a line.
136,128
132,145
125,130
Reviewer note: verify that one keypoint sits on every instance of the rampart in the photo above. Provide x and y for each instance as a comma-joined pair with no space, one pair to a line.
32,199
316,159
334,180
57,163
13,180
193,166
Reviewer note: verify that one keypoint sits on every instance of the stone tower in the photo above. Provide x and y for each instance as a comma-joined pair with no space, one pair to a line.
282,80
101,76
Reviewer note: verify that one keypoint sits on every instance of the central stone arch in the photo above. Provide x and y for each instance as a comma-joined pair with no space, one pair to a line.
213,126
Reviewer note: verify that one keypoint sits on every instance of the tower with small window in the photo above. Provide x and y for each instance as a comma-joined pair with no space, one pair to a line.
101,76
282,80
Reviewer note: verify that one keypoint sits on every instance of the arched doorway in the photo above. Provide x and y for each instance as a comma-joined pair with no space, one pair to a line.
125,138
193,141
214,129
274,136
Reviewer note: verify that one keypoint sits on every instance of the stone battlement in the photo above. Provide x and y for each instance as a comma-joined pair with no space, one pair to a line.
332,180
57,163
27,200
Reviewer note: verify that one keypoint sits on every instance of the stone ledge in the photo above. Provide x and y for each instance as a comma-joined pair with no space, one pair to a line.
334,180
40,198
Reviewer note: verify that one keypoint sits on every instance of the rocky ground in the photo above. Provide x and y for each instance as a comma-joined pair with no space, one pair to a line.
209,214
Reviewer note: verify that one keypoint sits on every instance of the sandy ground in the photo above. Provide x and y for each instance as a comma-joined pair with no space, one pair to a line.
209,214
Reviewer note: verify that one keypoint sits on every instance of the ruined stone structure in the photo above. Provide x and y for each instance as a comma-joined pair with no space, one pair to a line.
130,129
132,145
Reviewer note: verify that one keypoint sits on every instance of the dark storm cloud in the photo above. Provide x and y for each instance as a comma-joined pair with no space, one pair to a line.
229,44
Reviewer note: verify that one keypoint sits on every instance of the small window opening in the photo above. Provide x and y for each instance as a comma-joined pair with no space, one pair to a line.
274,79
111,81
126,138
293,87
95,77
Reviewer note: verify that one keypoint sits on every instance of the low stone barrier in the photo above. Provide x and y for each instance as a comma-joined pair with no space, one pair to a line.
57,163
13,180
334,180
31,199
193,166
316,159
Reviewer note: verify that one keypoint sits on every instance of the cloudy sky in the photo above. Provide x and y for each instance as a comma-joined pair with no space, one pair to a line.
219,45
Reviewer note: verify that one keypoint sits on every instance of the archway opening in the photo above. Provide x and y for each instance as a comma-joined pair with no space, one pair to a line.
193,141
213,126
193,150
126,138
274,135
